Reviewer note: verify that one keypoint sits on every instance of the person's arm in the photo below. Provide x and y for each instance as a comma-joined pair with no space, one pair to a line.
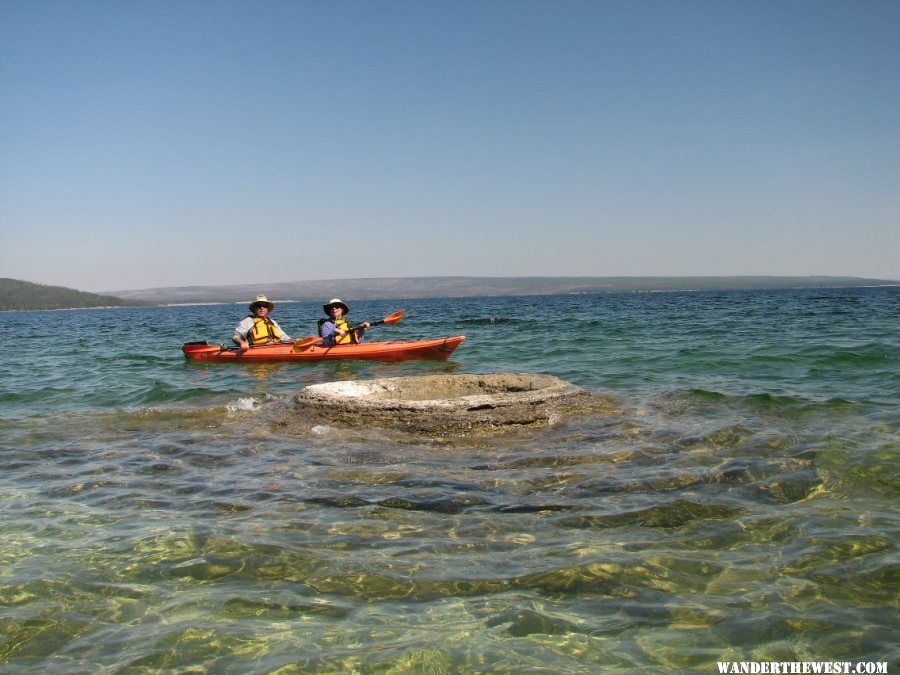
284,336
240,333
360,330
329,330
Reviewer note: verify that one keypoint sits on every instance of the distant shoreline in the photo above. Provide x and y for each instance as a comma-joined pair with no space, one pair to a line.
26,296
441,287
610,292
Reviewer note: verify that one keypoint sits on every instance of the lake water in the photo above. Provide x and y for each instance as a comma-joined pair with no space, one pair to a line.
739,505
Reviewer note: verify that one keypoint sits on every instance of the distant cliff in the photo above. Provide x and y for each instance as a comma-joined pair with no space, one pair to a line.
438,287
23,295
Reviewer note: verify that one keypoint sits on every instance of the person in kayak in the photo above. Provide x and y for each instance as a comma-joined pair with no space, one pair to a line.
335,330
258,329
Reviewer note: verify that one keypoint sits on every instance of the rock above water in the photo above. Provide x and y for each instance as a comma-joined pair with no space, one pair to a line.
444,404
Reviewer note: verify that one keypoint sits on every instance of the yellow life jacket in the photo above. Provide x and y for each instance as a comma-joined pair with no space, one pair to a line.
349,338
263,332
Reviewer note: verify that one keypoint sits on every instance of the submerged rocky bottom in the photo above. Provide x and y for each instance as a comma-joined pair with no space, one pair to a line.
673,534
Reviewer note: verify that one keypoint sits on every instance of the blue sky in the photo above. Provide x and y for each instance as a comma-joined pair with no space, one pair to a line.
159,143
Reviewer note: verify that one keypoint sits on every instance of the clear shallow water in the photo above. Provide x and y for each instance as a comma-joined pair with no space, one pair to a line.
741,506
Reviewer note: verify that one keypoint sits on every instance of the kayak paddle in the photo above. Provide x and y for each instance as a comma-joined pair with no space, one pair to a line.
390,319
305,343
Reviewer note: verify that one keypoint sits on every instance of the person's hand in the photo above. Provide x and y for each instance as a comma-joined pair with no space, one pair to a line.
365,324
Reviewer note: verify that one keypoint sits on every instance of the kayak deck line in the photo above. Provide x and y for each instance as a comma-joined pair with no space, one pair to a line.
436,349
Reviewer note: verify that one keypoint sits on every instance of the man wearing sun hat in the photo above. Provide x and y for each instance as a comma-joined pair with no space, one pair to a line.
258,329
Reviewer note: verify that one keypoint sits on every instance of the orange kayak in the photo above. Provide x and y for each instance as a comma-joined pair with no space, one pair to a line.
438,349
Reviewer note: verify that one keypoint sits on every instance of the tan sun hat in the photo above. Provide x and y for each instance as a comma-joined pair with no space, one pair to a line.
336,301
261,300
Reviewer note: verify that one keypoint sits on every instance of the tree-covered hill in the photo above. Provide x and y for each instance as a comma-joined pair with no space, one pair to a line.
24,295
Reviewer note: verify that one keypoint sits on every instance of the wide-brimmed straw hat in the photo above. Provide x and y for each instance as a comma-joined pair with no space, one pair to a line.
261,300
336,301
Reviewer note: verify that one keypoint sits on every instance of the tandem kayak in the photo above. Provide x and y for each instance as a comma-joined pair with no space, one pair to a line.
438,349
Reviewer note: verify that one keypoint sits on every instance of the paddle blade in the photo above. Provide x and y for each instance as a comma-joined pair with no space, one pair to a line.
304,343
391,319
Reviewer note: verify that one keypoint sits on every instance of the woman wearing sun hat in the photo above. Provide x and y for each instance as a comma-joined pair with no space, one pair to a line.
258,329
335,330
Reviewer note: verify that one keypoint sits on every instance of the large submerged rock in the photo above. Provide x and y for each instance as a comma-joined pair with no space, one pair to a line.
444,404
